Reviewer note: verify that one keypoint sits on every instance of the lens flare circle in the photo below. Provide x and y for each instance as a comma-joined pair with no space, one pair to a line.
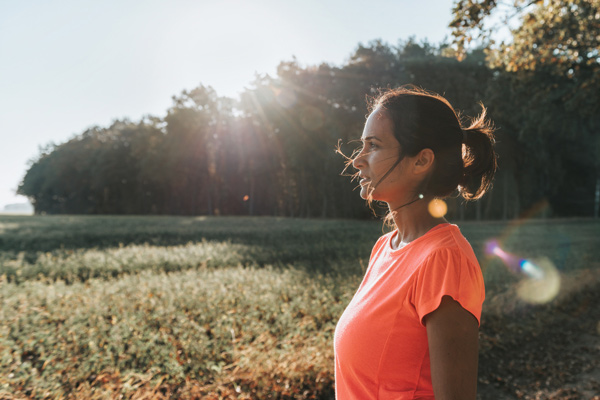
437,208
286,97
543,281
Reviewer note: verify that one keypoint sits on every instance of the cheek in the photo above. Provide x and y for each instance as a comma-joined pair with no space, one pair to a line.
393,181
387,166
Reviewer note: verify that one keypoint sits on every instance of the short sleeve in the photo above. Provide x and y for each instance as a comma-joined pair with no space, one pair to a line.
448,272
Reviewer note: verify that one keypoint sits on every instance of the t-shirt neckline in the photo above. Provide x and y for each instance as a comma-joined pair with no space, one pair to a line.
395,232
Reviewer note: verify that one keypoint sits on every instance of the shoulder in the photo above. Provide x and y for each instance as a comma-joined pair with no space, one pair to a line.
379,248
384,239
449,271
448,242
381,244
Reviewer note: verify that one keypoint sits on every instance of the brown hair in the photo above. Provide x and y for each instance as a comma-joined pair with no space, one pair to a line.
464,156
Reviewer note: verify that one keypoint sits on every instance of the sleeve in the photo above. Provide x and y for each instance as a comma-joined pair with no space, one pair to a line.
448,272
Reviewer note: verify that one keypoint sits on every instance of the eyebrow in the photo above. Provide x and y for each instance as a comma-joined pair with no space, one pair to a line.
370,138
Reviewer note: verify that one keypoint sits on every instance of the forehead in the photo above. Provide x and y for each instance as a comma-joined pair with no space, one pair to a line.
379,125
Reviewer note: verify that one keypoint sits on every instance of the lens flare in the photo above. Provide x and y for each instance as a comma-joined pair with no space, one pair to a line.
531,269
510,260
542,289
286,97
437,208
542,280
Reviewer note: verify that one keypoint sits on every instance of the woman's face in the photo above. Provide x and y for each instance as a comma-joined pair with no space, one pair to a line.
380,171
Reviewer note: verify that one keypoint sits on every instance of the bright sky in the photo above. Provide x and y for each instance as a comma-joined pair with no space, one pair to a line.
66,65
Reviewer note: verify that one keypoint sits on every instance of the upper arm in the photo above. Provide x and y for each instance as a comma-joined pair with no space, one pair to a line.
452,334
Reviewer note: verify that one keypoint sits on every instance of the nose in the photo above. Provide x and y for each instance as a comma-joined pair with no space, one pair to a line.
359,161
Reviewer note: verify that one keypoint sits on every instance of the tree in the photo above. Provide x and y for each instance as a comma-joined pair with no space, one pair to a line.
549,74
272,152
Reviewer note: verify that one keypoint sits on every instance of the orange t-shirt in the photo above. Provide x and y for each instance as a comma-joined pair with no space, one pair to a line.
380,342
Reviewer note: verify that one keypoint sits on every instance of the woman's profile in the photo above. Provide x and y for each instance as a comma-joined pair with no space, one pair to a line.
411,329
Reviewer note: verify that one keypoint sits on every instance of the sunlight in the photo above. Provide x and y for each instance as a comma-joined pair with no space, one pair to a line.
285,97
311,118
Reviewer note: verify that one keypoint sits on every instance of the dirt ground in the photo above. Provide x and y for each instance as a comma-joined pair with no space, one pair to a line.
549,351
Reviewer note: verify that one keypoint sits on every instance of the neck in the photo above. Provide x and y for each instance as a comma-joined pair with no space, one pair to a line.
413,220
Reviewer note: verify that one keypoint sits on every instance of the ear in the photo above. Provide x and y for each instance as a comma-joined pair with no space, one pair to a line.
423,162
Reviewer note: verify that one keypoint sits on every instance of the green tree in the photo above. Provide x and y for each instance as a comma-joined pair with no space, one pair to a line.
551,72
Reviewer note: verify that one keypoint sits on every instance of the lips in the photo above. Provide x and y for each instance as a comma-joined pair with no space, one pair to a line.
364,180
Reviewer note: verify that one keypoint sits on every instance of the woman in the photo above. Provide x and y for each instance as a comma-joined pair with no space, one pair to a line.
411,329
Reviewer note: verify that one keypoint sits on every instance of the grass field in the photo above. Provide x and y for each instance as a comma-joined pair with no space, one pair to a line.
97,307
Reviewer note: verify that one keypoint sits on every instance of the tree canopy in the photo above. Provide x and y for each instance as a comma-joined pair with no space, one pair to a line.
271,151
549,75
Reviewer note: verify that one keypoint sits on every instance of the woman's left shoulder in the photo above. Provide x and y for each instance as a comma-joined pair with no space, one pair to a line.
450,242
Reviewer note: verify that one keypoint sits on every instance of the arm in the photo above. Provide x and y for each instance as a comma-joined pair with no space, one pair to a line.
453,333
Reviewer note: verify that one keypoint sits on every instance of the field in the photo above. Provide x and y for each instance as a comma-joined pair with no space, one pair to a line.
101,307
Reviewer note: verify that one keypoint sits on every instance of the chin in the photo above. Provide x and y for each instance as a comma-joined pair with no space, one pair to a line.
364,193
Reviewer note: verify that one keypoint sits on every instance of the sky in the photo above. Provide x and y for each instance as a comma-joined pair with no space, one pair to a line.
66,65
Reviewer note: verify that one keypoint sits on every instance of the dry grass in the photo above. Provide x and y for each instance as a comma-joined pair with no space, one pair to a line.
224,308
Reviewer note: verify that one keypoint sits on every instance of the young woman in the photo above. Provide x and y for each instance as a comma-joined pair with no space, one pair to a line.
411,329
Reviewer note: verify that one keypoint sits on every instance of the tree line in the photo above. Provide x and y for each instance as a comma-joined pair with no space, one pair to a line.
272,150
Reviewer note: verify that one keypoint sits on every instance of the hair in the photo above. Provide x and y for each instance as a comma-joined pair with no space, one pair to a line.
465,159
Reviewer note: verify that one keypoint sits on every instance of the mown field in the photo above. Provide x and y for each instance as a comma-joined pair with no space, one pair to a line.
100,307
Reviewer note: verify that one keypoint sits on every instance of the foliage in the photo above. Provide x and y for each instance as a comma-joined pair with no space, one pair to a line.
201,325
78,248
212,319
270,153
556,38
557,34
545,92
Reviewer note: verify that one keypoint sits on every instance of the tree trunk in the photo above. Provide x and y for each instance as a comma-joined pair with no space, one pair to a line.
488,207
517,212
505,198
194,195
209,203
597,198
251,197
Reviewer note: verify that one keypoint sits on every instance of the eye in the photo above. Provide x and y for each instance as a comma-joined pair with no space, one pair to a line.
370,144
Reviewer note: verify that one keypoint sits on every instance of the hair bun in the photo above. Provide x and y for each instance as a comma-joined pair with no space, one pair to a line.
479,157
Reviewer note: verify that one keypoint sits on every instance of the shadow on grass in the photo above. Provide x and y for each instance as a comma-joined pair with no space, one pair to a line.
315,245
